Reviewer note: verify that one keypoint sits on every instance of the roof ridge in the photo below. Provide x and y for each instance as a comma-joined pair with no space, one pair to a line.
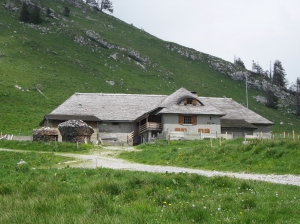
118,94
229,98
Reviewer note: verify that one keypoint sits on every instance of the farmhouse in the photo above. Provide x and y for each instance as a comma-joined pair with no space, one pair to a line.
136,118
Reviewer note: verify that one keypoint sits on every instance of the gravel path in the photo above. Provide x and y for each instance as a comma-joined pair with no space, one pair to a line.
103,160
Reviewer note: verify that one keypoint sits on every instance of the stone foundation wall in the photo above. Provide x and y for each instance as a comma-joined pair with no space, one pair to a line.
74,139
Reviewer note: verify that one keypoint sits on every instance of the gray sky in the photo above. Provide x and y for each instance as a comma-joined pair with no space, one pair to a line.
259,30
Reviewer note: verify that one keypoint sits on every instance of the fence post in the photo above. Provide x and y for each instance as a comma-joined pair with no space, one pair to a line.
210,142
293,135
220,140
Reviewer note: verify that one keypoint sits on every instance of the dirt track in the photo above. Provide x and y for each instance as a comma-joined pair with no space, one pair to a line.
103,159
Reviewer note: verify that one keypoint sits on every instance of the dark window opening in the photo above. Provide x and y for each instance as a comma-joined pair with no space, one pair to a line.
189,101
187,120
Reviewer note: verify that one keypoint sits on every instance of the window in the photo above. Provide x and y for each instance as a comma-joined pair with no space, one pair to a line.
189,101
187,119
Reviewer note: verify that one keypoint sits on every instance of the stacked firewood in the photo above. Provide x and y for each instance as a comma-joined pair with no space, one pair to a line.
75,131
45,134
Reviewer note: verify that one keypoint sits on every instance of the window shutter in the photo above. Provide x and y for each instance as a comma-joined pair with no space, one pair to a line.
195,120
185,101
194,102
180,119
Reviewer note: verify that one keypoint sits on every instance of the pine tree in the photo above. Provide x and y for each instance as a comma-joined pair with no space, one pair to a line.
35,16
48,12
66,11
24,14
239,63
279,75
106,5
257,69
298,97
272,100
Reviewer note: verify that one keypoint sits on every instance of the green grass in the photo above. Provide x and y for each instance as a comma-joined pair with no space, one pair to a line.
107,196
46,146
27,59
280,156
32,160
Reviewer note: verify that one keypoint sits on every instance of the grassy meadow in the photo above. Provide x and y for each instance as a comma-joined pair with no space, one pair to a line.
31,194
41,191
39,146
278,156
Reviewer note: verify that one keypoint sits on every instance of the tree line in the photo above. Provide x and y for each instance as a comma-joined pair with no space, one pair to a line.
102,5
276,78
33,14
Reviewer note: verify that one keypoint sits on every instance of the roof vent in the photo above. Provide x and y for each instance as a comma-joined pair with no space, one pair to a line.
194,92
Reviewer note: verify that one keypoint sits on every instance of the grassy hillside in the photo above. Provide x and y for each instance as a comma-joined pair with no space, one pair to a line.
59,58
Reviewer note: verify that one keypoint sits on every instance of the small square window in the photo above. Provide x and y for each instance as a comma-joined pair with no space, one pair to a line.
187,120
189,101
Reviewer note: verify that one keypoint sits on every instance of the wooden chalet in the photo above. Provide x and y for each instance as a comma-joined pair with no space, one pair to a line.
136,118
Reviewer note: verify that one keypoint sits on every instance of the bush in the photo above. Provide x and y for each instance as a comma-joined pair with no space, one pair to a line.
24,168
5,189
66,11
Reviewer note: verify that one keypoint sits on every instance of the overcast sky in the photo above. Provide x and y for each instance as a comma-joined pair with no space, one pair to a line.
259,30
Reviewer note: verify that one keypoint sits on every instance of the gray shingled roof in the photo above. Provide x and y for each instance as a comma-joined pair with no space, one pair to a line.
63,117
170,105
234,110
236,123
109,107
129,107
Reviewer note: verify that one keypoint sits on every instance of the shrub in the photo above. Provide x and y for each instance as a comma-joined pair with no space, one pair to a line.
23,168
221,182
5,189
248,203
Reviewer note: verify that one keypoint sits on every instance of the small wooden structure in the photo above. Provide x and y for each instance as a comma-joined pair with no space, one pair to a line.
45,134
75,131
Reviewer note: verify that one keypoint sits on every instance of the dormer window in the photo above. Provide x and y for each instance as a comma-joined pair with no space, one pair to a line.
190,101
